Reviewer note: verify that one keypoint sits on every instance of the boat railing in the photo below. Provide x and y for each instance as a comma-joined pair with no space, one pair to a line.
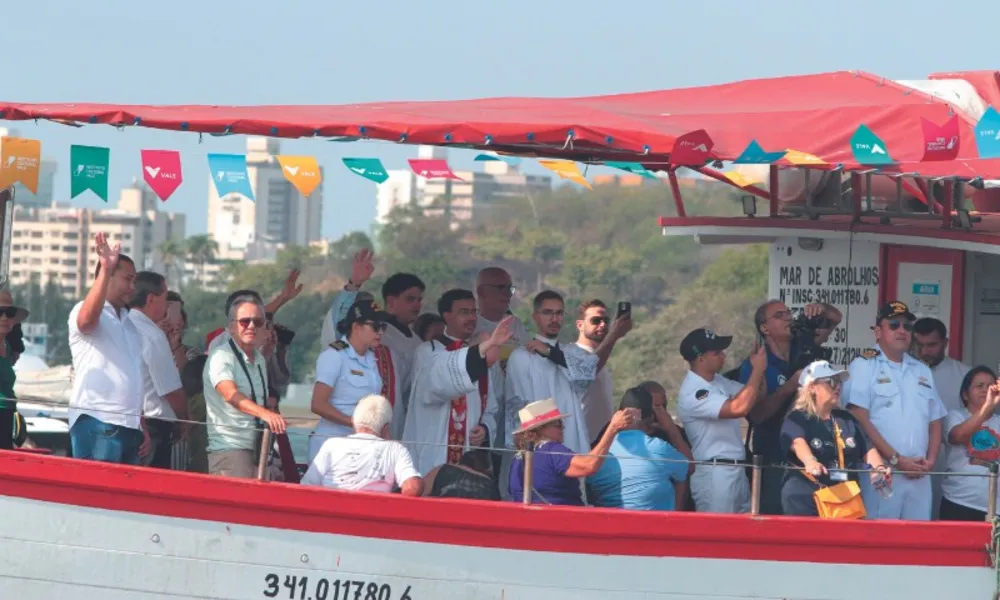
269,441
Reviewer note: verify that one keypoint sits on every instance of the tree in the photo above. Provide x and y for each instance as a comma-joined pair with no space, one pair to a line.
173,254
201,250
47,305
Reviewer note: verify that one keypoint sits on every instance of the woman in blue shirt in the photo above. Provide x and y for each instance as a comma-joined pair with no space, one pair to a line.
346,372
556,470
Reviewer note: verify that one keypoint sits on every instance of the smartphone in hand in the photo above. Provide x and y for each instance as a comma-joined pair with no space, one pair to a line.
624,308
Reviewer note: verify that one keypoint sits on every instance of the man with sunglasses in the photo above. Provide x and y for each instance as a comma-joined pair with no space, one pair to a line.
597,404
892,395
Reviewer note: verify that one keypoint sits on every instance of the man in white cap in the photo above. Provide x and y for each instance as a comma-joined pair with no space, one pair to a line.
711,406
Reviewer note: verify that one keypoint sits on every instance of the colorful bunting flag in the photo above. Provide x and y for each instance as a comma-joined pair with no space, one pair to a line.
369,168
510,160
802,159
692,149
868,148
631,167
988,134
302,171
20,159
432,168
161,170
566,169
739,179
941,142
754,154
229,172
89,170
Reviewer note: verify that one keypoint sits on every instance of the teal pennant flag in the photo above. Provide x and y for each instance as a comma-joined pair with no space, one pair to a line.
369,168
754,154
868,148
89,170
631,167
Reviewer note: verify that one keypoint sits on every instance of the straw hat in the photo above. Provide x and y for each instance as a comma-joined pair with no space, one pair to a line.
6,300
536,414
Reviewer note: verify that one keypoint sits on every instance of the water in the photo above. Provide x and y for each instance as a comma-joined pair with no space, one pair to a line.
298,437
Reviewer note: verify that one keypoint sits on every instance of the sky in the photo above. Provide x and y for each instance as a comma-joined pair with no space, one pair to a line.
321,52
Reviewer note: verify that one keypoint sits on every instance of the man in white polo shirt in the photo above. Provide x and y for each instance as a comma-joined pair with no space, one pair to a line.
105,406
164,400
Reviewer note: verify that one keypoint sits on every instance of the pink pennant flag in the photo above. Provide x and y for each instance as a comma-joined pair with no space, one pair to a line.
161,169
941,142
692,149
432,168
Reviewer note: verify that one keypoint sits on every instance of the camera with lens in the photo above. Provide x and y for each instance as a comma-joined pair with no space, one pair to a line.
805,350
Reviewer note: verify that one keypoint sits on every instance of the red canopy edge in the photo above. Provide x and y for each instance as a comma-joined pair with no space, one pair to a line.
811,113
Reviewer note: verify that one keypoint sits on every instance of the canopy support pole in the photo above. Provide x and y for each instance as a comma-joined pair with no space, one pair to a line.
773,189
856,196
946,204
6,225
675,189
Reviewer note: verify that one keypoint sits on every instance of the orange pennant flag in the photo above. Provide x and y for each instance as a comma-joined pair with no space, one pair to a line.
739,179
803,158
566,169
302,171
20,159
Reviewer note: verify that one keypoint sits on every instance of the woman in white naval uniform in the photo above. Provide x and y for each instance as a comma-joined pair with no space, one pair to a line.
711,406
893,396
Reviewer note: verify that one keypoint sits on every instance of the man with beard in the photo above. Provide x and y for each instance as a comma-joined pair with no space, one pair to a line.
597,403
892,396
930,341
454,407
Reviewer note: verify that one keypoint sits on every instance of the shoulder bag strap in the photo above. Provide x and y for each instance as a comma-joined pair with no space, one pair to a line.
246,371
840,443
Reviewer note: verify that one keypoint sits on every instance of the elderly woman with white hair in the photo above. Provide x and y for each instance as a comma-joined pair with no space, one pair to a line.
367,460
823,441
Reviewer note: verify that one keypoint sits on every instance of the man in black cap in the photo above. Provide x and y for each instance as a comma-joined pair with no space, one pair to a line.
893,397
711,406
645,472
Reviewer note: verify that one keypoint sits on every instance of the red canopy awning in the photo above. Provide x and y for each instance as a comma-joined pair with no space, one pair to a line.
816,114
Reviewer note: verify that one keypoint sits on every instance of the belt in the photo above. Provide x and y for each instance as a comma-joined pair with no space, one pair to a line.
726,461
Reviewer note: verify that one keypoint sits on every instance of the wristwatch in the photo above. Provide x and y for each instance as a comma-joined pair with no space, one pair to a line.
894,459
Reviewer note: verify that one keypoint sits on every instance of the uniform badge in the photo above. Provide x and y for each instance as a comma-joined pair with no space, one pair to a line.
923,382
701,394
883,380
869,354
816,443
356,372
339,345
782,379
849,442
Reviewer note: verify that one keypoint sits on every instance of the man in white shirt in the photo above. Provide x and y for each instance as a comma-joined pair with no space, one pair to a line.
711,407
366,460
235,389
164,401
930,342
105,406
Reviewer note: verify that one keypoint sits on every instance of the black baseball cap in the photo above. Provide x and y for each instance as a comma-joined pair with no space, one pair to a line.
892,310
638,397
700,341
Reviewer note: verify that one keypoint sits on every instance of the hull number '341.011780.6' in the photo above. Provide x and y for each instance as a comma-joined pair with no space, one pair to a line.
321,588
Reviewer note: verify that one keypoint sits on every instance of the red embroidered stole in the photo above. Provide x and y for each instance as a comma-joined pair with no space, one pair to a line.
459,412
387,371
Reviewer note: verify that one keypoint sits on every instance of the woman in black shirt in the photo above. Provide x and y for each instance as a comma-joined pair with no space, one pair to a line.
472,478
809,440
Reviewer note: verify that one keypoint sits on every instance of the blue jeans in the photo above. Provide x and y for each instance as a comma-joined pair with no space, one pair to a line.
96,440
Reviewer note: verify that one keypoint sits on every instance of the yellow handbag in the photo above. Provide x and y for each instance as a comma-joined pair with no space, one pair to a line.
840,501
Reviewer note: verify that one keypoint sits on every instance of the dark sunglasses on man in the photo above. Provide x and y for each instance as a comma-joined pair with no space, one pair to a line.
895,324
599,320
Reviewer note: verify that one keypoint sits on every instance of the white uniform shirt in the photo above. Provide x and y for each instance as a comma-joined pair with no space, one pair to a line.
597,403
360,461
970,492
107,375
699,403
159,371
948,375
901,400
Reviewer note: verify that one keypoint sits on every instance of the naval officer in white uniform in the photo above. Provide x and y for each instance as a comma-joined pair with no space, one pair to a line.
892,395
711,407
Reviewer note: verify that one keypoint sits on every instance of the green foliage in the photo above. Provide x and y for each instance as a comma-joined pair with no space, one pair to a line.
47,305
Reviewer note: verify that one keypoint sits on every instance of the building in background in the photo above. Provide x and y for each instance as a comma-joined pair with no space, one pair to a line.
280,216
46,180
157,227
470,198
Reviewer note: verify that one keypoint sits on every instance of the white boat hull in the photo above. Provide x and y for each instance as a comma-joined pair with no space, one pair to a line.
68,547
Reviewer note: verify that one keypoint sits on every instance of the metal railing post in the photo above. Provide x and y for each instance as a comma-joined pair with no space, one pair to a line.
265,452
755,485
529,463
991,507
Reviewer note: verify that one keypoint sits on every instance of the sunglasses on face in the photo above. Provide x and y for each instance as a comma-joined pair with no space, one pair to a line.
378,327
833,383
245,322
8,311
599,320
896,324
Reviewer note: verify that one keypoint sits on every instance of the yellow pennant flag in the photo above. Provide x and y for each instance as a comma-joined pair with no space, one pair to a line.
566,169
739,179
803,158
20,159
302,171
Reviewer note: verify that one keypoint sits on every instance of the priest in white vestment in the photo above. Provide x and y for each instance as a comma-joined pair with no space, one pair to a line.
402,294
453,407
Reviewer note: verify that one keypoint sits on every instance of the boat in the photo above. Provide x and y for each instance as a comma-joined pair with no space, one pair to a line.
110,531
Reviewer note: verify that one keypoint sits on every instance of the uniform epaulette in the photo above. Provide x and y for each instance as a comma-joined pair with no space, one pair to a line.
339,345
870,353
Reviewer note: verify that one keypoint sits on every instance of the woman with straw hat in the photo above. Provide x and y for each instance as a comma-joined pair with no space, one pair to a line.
10,315
556,470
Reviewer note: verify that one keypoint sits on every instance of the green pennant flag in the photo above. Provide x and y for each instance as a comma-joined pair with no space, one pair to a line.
369,168
631,167
89,170
868,148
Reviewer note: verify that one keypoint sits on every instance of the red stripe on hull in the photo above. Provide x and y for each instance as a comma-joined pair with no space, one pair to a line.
492,525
